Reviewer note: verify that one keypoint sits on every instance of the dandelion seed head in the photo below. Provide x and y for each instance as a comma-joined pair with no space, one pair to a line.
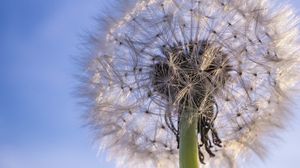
236,62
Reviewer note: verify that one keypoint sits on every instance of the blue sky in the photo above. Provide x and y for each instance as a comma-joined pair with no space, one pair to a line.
40,125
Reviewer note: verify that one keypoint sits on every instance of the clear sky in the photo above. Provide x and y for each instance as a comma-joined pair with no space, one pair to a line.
40,125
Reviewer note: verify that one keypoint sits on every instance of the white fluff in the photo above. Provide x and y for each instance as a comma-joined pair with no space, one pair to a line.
261,41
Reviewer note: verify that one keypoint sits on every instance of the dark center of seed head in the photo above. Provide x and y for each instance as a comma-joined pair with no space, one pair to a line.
198,67
194,72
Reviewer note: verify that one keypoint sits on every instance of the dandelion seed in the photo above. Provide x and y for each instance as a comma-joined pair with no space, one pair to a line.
232,63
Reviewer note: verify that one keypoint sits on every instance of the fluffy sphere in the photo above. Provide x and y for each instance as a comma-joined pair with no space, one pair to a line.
236,62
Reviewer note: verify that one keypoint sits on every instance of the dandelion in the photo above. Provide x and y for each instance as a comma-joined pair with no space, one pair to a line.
190,83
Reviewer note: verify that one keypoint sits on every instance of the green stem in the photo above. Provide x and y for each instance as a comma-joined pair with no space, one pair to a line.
188,143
